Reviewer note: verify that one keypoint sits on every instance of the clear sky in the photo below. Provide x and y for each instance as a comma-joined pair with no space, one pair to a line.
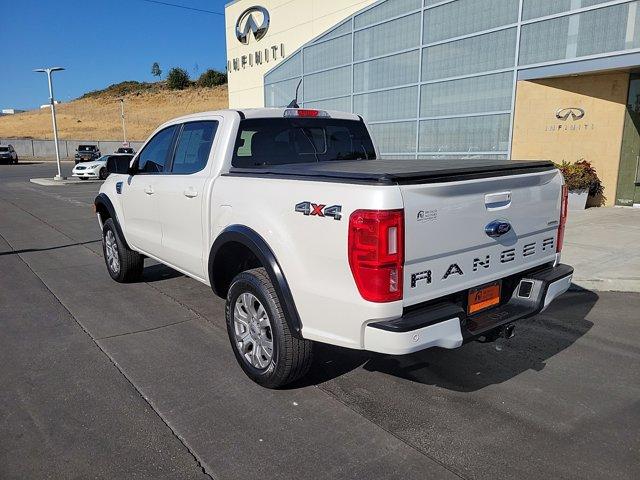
101,42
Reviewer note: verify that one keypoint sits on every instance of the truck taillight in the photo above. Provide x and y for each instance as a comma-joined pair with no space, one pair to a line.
564,207
376,253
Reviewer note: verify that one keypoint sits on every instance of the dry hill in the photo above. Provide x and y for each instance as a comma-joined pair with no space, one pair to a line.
96,115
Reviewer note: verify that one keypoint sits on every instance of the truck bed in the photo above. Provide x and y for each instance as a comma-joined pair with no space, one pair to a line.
396,171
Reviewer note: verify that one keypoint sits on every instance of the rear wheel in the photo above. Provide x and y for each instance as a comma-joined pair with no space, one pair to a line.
124,265
260,336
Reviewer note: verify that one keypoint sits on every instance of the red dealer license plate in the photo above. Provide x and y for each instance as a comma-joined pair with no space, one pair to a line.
483,297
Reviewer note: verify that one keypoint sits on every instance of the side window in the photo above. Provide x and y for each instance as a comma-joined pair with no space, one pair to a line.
193,147
153,157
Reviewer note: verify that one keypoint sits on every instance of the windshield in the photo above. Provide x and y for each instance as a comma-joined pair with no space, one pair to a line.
4,149
281,141
86,148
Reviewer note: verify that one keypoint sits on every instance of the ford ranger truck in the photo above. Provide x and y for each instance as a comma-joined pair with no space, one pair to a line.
292,217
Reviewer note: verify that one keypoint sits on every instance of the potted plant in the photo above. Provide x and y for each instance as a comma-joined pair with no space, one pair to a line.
583,183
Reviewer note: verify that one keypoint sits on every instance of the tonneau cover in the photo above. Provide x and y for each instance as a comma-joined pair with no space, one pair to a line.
397,171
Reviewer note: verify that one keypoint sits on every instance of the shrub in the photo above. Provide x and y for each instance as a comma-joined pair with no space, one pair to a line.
212,78
581,176
178,79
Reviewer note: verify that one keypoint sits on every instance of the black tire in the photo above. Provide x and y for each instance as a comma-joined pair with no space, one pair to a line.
16,161
103,174
130,264
291,356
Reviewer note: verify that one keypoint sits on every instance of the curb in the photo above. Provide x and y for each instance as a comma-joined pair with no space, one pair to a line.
50,182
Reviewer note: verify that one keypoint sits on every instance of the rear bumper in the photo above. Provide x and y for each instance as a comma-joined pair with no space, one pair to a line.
447,325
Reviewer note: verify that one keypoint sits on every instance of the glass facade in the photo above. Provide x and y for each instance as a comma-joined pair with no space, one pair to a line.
435,78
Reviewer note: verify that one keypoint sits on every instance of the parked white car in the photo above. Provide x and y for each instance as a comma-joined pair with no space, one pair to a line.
96,169
291,216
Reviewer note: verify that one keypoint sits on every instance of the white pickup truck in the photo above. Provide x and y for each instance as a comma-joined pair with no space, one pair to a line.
292,217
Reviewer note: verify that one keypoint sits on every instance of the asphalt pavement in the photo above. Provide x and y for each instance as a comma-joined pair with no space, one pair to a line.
102,380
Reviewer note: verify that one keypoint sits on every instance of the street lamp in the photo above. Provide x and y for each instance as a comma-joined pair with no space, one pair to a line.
49,71
124,130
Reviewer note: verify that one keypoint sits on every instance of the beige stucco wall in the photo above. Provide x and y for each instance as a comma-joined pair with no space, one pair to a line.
597,137
293,23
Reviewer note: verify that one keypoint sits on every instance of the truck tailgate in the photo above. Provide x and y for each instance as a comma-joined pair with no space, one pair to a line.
447,247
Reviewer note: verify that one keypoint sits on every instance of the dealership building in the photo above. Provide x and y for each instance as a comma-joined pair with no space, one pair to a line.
521,79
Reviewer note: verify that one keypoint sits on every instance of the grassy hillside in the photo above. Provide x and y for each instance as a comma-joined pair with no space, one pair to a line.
96,115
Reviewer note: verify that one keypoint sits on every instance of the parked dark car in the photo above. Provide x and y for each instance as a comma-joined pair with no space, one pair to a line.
87,153
126,150
8,154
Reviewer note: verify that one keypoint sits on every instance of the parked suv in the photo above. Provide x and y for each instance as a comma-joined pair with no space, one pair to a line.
290,215
8,154
87,153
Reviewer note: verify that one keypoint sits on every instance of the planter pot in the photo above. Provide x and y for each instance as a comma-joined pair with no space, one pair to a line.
578,199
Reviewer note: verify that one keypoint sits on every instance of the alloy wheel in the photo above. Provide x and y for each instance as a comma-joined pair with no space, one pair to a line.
111,249
253,332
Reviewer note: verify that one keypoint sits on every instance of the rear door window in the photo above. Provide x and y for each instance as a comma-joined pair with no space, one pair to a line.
193,146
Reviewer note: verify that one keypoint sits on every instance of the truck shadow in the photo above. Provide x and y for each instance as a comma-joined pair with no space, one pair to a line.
157,272
474,365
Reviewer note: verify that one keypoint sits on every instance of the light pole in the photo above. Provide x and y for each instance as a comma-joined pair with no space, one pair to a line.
124,129
49,71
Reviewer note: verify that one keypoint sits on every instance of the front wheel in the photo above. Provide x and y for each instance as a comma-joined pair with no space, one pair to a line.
15,162
260,336
103,174
124,265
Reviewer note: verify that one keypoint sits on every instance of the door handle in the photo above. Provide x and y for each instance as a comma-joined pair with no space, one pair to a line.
148,190
497,201
190,193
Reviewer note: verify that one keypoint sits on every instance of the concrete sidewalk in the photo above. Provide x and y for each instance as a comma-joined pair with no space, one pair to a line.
603,245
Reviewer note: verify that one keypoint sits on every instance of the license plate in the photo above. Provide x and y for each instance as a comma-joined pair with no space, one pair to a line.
483,297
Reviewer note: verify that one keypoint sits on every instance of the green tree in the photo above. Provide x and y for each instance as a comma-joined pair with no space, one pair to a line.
155,70
178,79
212,78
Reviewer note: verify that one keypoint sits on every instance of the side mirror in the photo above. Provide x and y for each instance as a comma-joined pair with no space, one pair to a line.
133,169
118,165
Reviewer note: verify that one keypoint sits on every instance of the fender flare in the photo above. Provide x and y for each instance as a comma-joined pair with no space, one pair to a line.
259,247
104,201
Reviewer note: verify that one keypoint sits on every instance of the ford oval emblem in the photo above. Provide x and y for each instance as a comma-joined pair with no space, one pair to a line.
497,228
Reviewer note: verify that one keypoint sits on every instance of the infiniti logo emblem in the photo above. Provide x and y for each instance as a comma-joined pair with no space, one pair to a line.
573,112
247,24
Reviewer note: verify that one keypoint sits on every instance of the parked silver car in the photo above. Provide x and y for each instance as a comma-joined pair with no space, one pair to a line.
8,154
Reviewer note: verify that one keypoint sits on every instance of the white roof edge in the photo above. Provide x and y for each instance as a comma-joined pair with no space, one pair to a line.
256,113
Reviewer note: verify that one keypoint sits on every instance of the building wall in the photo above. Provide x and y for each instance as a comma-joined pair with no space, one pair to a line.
435,78
539,134
293,23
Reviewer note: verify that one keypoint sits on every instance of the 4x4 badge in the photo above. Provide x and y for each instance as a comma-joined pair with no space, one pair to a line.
319,210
